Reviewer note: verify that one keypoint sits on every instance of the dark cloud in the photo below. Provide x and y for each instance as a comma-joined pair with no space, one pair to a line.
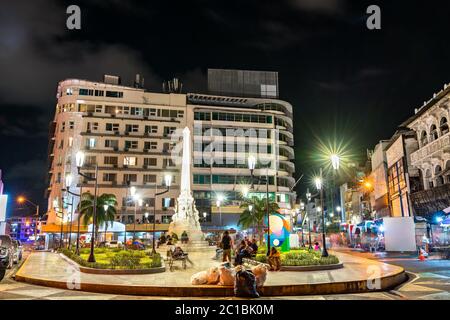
319,6
36,51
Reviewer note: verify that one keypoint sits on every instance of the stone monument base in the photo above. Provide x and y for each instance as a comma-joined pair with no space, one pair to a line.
196,237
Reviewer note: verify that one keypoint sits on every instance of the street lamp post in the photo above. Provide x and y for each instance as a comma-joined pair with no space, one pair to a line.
56,209
308,200
219,201
136,199
79,162
302,209
21,200
335,163
71,215
168,182
319,185
251,165
68,181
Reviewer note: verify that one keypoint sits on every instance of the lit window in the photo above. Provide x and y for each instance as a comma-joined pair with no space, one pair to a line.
129,161
70,141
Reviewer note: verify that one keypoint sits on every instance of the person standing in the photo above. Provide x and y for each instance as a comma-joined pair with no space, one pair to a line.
226,244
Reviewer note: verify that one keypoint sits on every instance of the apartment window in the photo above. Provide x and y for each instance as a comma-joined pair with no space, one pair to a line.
168,146
149,178
129,161
90,142
92,126
150,145
169,113
61,144
168,163
131,144
111,143
87,107
58,178
201,179
167,202
71,125
69,91
112,177
135,111
204,116
110,160
150,161
180,114
112,127
132,128
63,126
114,94
90,160
152,112
151,129
169,130
86,92
99,93
129,177
70,142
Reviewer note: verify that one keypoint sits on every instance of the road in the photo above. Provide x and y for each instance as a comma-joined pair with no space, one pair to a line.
430,280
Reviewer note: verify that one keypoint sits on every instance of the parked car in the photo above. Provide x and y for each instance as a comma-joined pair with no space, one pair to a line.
6,251
18,251
2,271
113,244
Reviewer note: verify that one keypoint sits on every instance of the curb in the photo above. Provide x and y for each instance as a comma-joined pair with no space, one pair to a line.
359,286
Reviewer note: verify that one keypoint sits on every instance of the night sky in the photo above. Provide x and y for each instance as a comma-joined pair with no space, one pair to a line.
346,83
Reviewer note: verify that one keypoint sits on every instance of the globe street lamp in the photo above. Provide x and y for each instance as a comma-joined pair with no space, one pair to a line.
319,185
79,158
168,183
252,165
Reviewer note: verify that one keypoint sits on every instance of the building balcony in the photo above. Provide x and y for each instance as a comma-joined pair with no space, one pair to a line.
427,202
431,150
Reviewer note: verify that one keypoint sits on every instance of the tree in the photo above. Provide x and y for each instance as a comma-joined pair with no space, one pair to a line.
250,218
86,209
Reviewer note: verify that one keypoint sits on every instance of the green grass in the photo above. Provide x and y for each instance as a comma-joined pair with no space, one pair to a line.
116,259
300,257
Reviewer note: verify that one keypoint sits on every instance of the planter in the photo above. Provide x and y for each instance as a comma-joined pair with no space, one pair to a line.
299,268
114,271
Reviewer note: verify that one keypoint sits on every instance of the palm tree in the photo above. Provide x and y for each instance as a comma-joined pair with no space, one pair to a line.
86,206
250,218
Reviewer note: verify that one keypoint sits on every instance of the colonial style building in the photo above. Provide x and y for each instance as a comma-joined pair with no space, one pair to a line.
131,136
432,159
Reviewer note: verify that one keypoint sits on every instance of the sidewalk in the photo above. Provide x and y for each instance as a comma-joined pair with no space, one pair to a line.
50,269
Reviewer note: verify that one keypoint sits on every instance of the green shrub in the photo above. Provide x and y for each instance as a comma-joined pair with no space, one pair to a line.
122,259
126,259
261,257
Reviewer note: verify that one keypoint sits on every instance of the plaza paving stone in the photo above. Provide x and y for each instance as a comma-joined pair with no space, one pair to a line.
48,266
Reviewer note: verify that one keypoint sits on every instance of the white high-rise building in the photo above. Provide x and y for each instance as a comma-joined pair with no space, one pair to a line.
130,133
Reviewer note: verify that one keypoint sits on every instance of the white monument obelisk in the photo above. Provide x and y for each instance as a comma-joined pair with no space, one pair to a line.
186,216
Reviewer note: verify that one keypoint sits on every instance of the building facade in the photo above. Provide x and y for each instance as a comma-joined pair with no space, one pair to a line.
132,136
432,159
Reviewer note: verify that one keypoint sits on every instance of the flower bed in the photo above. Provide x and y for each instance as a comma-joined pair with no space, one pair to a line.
116,259
300,257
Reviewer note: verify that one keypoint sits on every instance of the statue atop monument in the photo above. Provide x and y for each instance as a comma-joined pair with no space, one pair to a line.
186,217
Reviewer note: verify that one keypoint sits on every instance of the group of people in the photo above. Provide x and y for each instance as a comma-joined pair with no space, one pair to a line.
245,249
